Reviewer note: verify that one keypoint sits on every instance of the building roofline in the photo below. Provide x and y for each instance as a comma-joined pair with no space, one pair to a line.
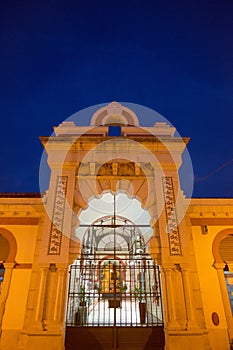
20,195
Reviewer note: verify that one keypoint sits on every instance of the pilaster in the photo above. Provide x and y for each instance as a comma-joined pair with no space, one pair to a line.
5,289
172,323
191,322
226,304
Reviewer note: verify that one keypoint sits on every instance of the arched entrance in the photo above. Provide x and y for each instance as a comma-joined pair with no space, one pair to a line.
115,284
115,154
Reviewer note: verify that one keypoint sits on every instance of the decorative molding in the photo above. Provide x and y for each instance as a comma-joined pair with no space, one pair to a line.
24,266
12,220
116,169
55,238
212,221
171,216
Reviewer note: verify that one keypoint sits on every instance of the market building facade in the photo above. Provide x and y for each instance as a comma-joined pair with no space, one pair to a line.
114,255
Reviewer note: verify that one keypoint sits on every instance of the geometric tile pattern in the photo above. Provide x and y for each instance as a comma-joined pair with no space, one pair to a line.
55,237
171,216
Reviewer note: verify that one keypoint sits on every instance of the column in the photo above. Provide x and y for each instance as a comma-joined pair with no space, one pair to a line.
226,304
60,293
190,313
172,322
41,294
5,289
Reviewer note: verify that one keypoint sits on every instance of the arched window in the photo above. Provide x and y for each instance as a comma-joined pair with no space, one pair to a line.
8,250
223,254
226,253
4,253
5,248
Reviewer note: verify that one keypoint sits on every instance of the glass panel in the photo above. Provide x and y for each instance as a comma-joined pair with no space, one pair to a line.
229,282
2,270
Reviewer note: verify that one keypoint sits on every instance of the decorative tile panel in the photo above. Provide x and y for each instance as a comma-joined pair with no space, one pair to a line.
55,238
171,216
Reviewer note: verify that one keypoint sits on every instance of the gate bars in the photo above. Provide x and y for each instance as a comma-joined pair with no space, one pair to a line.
115,290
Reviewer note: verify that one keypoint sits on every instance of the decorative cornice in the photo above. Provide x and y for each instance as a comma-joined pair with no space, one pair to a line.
20,195
19,220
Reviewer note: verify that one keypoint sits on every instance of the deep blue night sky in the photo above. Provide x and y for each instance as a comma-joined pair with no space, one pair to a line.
175,57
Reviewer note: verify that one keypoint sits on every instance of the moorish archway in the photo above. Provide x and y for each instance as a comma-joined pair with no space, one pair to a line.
114,283
114,154
115,264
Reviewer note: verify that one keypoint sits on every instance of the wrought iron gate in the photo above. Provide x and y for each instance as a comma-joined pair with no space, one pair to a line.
115,282
114,292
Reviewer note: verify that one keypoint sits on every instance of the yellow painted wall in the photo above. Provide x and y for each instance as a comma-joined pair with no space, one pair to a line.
209,282
17,299
14,314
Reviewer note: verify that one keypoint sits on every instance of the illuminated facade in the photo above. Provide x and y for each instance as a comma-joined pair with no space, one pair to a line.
114,250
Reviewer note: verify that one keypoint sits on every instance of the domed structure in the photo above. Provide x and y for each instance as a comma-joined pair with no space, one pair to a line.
114,114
